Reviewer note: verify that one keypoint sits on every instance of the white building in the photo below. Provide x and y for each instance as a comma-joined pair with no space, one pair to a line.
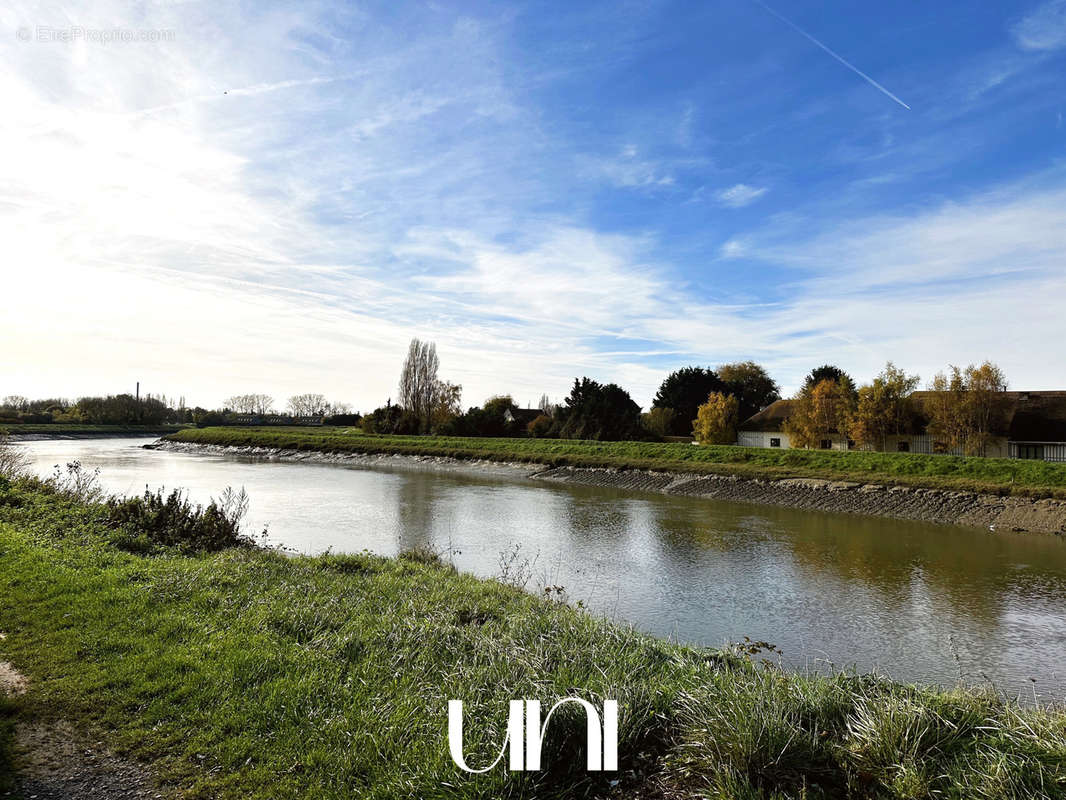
1035,428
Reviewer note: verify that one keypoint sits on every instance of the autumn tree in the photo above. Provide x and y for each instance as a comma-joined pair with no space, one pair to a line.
716,420
684,390
819,411
447,403
751,384
827,372
883,408
968,407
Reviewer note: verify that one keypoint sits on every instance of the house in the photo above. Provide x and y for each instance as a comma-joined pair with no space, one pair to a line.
766,429
1034,427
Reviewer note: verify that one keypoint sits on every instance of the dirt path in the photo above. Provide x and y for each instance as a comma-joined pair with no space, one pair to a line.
53,762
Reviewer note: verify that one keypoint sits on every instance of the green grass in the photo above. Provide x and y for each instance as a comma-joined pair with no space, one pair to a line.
997,475
65,429
248,674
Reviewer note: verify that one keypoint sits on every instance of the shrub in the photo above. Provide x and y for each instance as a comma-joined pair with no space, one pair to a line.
13,460
209,419
540,427
343,419
152,520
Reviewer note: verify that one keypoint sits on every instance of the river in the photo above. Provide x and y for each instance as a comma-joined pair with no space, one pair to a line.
919,602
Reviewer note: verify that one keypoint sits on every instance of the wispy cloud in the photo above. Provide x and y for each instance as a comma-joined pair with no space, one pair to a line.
1044,28
257,206
740,195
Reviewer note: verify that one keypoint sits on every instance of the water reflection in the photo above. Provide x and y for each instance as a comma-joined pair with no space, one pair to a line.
923,602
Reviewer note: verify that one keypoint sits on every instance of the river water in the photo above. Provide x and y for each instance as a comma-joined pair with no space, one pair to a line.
920,602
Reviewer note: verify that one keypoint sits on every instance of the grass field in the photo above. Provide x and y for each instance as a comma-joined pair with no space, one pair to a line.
998,475
248,674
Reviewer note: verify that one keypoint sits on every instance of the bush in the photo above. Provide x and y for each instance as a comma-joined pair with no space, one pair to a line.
210,419
13,460
343,419
540,427
151,520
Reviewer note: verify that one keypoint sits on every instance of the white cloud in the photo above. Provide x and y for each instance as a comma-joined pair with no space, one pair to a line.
293,234
740,195
1044,28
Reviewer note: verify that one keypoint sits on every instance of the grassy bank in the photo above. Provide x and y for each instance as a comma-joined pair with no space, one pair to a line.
247,674
997,475
63,429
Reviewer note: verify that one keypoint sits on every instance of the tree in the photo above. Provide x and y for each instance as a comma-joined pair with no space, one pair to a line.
390,418
418,381
716,420
968,407
540,427
883,408
659,421
262,403
249,403
447,405
595,411
15,402
684,390
751,385
820,411
307,405
827,372
547,406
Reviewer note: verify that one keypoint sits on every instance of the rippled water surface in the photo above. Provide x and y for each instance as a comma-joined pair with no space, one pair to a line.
921,602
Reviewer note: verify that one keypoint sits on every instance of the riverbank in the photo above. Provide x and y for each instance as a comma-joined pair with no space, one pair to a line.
988,475
985,510
248,674
39,432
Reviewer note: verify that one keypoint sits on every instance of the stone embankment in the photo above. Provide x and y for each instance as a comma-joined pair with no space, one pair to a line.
814,494
970,509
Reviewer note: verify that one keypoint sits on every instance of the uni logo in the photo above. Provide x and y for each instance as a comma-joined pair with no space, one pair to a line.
524,727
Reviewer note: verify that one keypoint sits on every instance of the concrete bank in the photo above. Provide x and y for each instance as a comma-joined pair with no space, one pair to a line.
969,509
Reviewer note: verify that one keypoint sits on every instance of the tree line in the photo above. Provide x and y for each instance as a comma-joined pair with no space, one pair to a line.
117,409
427,404
963,410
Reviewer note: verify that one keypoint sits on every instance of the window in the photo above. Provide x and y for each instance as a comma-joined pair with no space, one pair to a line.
903,446
827,444
775,443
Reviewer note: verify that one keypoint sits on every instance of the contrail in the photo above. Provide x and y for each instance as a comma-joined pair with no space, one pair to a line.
847,64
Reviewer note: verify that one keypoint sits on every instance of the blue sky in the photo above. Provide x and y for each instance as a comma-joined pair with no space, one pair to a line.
277,198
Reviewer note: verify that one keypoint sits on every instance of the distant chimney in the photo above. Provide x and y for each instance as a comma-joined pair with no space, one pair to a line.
138,391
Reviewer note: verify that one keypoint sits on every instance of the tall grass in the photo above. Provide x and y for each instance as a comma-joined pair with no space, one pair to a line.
247,674
998,475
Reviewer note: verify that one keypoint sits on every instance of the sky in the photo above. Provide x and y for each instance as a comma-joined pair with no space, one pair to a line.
217,198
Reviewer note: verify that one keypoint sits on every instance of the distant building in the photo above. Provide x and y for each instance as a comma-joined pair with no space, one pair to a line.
1034,428
273,419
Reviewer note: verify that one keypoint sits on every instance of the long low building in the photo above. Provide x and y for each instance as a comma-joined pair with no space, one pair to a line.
1034,428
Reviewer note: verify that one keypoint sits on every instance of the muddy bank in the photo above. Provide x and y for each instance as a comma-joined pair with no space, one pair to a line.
814,494
354,459
43,437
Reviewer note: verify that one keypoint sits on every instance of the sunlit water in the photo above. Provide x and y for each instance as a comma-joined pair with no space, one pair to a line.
920,602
